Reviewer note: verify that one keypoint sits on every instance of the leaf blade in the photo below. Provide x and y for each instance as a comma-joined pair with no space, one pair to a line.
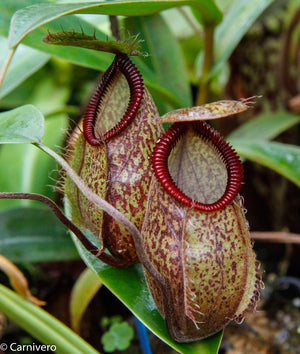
24,124
26,20
18,281
34,235
236,22
26,169
83,291
165,57
282,158
41,324
266,126
25,62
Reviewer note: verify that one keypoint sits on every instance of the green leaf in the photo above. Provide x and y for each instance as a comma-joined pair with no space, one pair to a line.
108,341
265,126
41,325
25,62
129,285
236,22
118,337
282,158
21,125
34,235
26,20
81,56
27,169
165,57
7,8
49,97
182,23
83,291
84,57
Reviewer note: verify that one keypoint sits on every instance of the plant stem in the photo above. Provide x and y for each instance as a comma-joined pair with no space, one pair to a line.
114,25
276,236
203,86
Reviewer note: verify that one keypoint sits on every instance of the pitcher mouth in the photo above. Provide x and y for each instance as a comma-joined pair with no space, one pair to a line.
227,155
134,79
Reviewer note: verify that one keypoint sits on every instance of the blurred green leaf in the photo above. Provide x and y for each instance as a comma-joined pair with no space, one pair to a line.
165,57
19,96
236,22
182,22
20,162
7,8
34,235
21,125
118,337
191,47
106,321
29,170
129,285
83,291
49,97
25,62
26,168
41,325
265,126
32,17
282,158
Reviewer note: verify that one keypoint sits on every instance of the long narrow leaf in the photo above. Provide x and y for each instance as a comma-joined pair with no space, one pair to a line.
41,324
265,126
25,62
236,22
83,291
165,56
282,158
18,280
